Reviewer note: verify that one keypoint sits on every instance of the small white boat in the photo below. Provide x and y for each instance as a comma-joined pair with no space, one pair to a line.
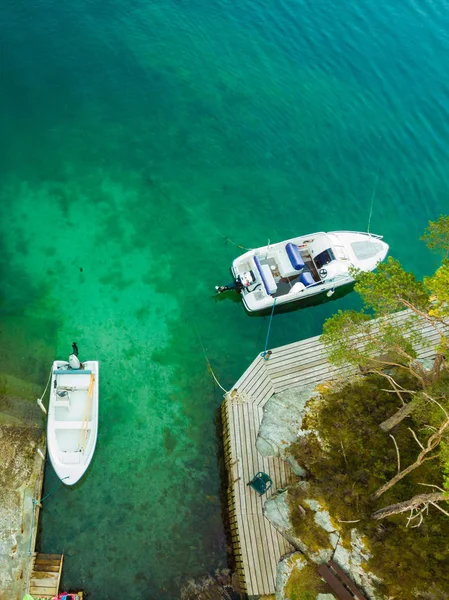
302,267
72,424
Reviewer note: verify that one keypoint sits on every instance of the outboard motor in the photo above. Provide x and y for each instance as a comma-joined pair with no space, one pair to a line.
235,285
73,358
74,362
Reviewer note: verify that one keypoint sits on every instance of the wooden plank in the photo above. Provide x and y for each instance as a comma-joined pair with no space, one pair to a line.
60,572
244,533
254,500
41,557
346,580
250,374
46,567
44,576
337,587
253,539
265,395
39,592
47,563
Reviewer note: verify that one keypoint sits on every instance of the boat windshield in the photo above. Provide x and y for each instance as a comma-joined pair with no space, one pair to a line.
324,258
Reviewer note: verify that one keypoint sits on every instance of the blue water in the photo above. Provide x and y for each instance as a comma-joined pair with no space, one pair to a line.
141,141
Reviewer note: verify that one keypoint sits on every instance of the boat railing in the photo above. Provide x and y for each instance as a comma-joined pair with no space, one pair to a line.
373,235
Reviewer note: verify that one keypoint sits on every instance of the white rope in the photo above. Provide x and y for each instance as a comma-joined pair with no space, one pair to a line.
49,379
372,202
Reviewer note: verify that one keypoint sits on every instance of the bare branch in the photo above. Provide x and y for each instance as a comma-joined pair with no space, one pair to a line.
432,443
356,521
415,503
437,403
416,438
344,454
397,453
439,508
433,485
398,416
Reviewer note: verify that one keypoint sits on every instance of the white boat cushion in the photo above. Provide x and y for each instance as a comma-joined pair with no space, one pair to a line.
286,268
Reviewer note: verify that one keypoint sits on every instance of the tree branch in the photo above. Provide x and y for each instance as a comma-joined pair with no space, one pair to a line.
432,442
417,502
397,453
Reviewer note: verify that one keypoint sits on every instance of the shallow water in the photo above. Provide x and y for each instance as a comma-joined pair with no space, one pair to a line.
141,143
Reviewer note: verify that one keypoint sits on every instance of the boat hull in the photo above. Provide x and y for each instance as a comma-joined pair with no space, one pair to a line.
305,271
72,424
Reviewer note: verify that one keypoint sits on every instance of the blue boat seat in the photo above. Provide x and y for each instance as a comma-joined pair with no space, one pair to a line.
294,256
289,260
306,278
266,276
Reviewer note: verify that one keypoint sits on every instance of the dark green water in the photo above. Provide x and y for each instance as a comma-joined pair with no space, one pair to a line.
135,137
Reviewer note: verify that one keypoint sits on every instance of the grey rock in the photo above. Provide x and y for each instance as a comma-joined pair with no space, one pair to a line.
282,421
289,562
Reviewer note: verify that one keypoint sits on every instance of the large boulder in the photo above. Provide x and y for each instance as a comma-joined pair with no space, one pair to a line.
282,423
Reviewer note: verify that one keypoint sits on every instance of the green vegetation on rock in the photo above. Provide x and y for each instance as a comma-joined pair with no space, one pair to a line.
353,457
305,584
378,451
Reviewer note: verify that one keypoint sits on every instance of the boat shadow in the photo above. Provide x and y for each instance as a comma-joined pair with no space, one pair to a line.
300,304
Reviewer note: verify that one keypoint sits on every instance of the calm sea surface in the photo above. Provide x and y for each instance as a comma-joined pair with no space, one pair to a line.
135,138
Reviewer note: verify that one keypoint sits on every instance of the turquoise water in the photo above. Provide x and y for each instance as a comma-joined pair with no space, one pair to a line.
138,136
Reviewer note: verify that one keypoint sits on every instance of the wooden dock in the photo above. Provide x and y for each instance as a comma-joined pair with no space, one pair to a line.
46,575
257,545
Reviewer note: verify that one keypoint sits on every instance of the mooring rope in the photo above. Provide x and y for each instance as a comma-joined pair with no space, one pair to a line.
49,379
209,366
225,237
264,353
372,202
36,503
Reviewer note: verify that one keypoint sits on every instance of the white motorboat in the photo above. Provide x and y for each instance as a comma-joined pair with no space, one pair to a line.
72,424
303,267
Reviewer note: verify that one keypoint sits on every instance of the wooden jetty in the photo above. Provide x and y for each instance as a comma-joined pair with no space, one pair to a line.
257,545
46,575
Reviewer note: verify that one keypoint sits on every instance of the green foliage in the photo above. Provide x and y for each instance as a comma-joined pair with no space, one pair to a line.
390,288
438,286
444,453
436,235
339,333
303,521
305,584
355,338
353,458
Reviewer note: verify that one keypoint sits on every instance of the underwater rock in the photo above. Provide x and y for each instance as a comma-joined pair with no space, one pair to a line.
217,587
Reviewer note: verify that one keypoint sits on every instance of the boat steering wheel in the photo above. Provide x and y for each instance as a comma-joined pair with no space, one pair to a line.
323,273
